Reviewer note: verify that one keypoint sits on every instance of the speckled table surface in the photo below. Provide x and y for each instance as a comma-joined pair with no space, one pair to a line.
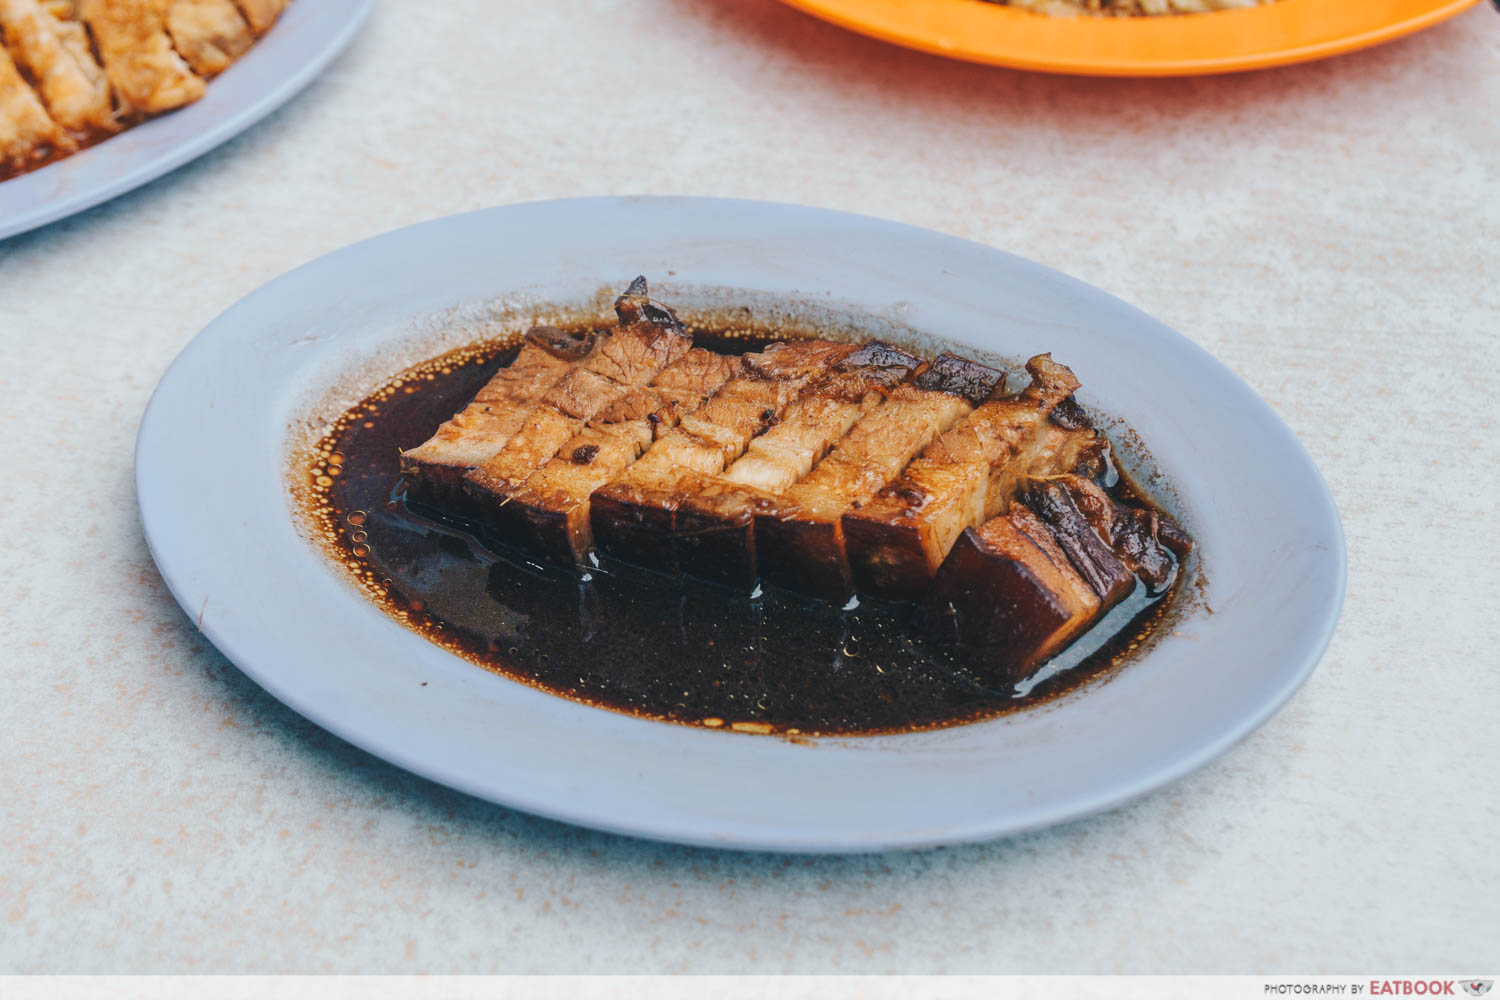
1329,231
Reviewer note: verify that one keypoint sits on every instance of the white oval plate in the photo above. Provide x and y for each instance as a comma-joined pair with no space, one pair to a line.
301,45
210,476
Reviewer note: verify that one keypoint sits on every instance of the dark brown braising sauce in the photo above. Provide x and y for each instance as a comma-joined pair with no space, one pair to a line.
632,640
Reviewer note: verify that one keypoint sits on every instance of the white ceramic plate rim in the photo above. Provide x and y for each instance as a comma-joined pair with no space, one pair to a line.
304,41
216,516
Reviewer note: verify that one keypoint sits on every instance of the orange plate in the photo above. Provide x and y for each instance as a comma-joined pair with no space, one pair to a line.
1275,34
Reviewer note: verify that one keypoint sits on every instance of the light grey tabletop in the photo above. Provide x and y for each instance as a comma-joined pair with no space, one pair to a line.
1332,232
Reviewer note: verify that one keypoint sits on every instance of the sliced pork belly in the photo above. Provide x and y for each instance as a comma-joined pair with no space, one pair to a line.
553,506
147,74
27,133
648,339
715,522
1144,540
1090,553
633,516
1017,590
897,541
58,56
1007,598
210,34
437,466
799,537
261,14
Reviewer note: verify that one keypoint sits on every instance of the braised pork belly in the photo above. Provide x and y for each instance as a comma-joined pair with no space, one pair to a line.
832,469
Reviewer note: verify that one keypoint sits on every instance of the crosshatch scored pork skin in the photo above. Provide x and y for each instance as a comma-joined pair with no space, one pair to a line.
799,536
647,340
634,516
715,525
483,427
554,503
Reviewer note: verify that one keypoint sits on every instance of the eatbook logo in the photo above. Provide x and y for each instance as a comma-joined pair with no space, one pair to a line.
1478,987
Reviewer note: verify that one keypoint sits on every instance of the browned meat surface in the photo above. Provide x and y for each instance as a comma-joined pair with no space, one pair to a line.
147,74
897,541
58,56
715,523
210,34
262,14
27,133
554,503
1007,599
633,517
799,535
648,339
1088,551
1144,540
482,428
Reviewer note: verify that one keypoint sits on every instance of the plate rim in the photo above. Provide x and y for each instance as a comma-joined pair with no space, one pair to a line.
779,840
851,15
133,171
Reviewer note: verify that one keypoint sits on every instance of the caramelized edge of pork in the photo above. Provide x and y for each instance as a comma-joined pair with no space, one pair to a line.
896,542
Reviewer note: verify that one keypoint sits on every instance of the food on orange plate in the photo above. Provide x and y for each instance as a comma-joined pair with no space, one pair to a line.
1126,8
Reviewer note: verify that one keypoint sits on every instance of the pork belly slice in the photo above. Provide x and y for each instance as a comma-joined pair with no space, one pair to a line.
435,468
261,14
147,74
1144,540
27,132
897,541
1007,598
210,34
58,56
648,339
799,536
1019,589
715,522
633,516
1091,555
553,505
